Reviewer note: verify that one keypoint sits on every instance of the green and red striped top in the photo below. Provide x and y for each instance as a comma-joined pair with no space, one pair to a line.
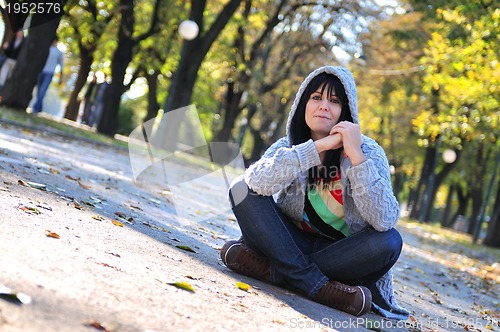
324,209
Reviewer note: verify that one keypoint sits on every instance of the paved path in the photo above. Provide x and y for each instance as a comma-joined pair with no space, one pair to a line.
94,250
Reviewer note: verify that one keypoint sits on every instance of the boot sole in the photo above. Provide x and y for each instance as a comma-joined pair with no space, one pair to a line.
365,308
224,258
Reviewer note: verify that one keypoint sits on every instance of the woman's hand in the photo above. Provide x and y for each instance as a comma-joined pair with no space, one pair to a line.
351,140
330,142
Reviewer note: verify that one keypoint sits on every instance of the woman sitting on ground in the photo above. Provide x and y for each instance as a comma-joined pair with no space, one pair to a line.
329,234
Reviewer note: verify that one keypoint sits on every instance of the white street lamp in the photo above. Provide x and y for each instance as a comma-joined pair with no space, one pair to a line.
188,29
449,156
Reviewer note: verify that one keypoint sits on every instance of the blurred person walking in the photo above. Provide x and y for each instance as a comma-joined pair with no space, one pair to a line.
54,59
96,114
11,52
89,100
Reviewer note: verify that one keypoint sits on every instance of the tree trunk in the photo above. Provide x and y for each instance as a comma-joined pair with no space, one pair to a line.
476,188
420,200
463,201
415,201
258,145
121,58
399,180
233,109
440,177
86,59
493,235
18,89
447,209
153,105
13,21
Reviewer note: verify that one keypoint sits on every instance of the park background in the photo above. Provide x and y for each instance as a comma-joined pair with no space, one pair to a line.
427,75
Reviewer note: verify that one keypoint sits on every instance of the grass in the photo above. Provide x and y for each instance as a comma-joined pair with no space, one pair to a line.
63,125
446,236
78,130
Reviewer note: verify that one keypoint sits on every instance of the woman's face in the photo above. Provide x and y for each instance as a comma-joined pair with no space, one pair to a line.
322,112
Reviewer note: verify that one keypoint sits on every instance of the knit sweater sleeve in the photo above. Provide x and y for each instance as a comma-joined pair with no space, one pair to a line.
372,189
280,165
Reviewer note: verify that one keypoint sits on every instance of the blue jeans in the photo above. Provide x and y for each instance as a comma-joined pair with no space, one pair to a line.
43,83
305,261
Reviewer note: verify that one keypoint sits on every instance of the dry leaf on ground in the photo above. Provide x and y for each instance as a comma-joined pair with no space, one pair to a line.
187,248
117,223
52,234
243,286
183,285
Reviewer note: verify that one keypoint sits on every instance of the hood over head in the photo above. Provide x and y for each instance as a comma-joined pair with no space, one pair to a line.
347,81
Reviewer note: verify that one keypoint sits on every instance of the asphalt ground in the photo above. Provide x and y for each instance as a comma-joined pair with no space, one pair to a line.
92,249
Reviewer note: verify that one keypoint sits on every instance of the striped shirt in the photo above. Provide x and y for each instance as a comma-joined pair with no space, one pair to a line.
324,209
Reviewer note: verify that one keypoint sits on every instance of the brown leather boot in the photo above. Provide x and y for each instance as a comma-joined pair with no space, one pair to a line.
241,259
355,300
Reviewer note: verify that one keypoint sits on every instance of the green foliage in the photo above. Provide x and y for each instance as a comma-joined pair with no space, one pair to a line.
132,111
389,90
464,68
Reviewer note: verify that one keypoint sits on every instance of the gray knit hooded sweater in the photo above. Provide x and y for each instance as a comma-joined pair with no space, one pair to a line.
367,192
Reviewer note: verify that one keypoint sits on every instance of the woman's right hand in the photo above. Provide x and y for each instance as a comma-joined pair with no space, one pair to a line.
330,142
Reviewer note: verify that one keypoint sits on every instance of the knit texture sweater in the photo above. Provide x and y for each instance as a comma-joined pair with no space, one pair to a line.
366,188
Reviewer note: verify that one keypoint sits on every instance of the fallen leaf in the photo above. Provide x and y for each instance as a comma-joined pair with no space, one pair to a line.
95,200
76,204
34,185
123,218
243,286
43,171
153,200
98,326
187,248
44,206
71,178
67,198
121,215
183,285
12,296
52,234
111,266
84,186
117,223
30,209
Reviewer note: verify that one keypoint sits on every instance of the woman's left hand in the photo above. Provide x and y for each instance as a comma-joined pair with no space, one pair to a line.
351,139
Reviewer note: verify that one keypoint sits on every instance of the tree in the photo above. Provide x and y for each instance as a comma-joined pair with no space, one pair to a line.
191,57
461,70
493,234
13,21
257,35
389,76
85,24
18,89
122,56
